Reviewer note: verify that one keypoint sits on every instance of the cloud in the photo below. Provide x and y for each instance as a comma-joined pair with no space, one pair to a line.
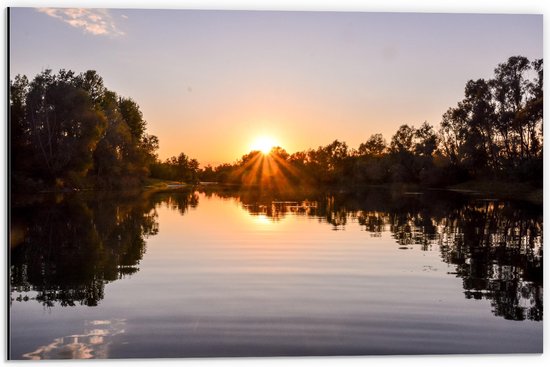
94,21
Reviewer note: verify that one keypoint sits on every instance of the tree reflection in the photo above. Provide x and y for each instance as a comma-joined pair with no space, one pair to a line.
495,246
497,250
68,247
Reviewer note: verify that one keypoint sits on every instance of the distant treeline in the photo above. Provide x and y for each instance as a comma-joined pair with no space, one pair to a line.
69,131
494,132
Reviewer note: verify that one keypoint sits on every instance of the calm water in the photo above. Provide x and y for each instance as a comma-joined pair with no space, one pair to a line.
185,274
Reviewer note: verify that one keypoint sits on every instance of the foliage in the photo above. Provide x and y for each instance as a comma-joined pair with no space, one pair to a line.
497,128
69,131
179,168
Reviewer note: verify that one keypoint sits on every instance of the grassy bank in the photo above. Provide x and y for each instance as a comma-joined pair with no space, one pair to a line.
155,183
492,188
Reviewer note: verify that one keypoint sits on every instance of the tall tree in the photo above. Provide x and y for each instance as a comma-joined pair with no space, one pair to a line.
69,130
64,126
497,127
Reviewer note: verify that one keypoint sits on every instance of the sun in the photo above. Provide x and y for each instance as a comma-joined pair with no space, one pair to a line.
264,144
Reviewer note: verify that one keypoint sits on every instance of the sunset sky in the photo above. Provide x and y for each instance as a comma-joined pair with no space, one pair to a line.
209,83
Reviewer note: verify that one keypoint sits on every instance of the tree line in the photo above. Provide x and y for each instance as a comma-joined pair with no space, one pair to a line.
496,131
69,131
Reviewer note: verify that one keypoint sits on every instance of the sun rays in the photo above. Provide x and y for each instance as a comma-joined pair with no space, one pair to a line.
266,171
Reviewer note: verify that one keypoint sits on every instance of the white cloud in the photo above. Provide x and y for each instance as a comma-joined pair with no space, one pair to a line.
94,21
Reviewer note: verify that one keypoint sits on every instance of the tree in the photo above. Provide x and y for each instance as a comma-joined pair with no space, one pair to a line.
179,168
111,152
69,130
425,141
20,148
402,140
64,126
133,117
374,146
497,127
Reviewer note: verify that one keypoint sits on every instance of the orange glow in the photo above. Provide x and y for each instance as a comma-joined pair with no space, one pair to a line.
264,144
267,172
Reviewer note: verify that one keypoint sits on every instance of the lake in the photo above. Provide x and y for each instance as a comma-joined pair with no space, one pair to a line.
217,272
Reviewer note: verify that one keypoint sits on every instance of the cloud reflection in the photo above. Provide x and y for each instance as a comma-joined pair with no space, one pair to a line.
93,343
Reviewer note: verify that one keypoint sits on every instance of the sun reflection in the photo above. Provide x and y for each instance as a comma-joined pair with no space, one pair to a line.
262,219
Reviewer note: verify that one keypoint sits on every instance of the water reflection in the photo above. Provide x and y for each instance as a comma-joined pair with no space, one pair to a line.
68,247
92,343
65,249
495,246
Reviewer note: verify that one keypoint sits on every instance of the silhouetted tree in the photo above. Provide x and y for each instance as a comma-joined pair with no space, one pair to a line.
64,126
497,127
179,168
68,130
374,146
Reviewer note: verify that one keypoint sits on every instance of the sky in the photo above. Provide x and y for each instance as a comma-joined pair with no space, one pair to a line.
210,83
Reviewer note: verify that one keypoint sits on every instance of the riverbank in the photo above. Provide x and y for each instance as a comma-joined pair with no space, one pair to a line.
499,189
160,184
